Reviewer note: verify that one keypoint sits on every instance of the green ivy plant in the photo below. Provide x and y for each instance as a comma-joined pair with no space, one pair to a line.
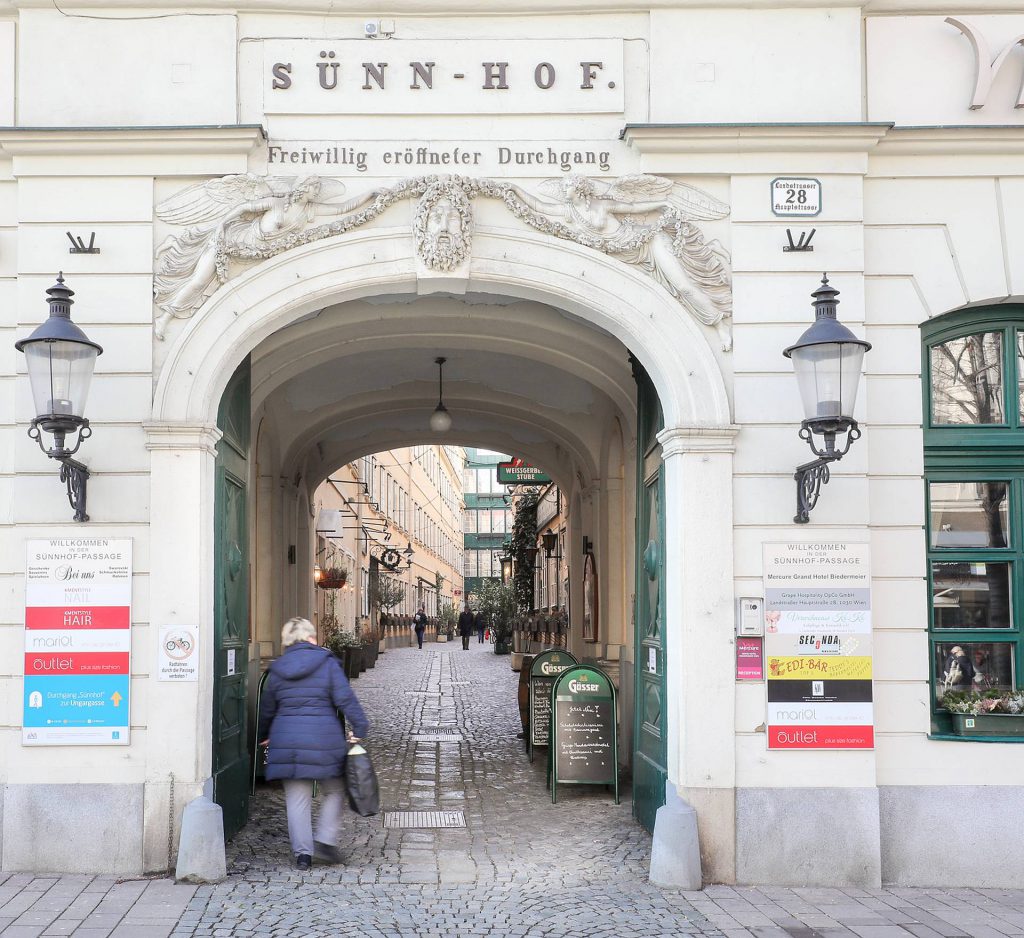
524,535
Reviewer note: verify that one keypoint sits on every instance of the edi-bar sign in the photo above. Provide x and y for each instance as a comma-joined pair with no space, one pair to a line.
78,617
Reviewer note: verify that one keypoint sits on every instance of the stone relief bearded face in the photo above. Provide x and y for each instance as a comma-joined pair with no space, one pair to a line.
442,227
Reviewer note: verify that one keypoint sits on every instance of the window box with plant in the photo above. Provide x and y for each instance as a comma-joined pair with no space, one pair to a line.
986,713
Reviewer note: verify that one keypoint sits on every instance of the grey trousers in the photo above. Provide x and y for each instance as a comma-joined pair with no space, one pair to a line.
298,799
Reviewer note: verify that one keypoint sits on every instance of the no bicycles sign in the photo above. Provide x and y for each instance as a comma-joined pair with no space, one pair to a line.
177,657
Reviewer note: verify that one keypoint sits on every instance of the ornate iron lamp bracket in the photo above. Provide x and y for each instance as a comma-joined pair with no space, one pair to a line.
73,474
811,476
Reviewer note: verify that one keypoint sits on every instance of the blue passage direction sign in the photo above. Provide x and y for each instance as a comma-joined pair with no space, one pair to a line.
66,705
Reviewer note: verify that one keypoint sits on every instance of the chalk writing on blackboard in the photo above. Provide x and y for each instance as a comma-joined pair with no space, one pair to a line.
583,730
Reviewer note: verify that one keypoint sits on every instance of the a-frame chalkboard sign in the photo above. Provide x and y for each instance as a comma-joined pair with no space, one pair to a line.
584,746
543,673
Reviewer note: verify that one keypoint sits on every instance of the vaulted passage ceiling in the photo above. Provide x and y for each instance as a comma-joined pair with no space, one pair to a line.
521,377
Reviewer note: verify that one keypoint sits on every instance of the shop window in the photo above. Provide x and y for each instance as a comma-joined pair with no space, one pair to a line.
974,475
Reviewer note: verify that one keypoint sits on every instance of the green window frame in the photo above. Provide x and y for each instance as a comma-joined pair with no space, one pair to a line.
976,454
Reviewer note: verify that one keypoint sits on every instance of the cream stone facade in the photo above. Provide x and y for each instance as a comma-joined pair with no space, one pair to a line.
263,185
407,500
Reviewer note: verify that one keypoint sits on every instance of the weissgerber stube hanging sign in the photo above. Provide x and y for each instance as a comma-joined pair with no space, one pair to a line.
518,472
78,614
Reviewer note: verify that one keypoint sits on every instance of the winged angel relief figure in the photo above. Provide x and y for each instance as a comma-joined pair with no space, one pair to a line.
646,221
616,217
243,216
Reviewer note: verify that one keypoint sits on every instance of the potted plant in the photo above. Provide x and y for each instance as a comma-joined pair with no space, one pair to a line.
345,645
498,606
447,616
368,636
986,713
331,578
390,591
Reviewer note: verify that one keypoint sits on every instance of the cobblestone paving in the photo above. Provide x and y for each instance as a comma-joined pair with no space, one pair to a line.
522,868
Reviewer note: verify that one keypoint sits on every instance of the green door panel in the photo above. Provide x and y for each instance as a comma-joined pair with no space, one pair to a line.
231,605
650,720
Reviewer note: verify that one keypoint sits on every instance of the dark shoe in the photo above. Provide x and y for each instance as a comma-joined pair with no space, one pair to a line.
303,862
326,853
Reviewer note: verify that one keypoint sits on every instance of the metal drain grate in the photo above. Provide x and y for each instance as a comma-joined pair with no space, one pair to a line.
394,819
428,738
439,730
423,693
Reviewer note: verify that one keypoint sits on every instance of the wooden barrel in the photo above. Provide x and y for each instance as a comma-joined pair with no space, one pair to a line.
524,694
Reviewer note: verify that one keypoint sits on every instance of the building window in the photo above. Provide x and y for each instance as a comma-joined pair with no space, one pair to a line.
974,480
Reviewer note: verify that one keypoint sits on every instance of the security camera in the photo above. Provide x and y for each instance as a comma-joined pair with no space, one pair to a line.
371,29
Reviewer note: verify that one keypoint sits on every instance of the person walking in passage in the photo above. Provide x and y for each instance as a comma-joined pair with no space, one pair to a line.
298,721
419,624
467,623
480,627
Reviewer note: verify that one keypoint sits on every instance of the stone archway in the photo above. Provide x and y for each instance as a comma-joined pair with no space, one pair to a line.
589,286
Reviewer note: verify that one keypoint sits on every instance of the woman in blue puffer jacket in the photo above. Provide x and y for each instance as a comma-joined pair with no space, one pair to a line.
299,723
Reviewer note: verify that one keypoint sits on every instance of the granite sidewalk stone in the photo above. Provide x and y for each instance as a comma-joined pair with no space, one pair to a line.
521,868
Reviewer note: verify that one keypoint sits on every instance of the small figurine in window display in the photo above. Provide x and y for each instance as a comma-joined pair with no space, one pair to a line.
958,672
983,677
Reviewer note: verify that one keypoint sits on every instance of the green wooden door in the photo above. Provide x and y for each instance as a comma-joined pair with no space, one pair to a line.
650,727
231,605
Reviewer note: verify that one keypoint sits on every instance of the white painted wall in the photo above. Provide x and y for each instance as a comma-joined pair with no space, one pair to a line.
145,70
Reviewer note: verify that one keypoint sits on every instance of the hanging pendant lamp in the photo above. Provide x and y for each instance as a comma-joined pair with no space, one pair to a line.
440,419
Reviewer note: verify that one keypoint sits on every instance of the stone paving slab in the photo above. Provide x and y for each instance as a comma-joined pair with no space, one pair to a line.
522,868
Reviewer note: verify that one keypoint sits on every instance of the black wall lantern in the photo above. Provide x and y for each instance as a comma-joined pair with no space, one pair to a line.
549,539
60,359
827,361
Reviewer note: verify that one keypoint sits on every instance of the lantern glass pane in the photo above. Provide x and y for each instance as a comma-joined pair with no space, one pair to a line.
60,373
828,375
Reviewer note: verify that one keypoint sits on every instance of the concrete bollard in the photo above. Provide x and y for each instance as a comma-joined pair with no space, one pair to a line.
675,849
201,856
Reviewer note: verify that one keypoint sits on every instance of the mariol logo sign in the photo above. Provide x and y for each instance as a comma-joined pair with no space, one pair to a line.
518,472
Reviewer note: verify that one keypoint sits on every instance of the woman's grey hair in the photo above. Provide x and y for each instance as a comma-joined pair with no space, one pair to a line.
297,630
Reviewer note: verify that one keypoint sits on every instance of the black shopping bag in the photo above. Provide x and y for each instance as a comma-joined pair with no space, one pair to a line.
361,782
